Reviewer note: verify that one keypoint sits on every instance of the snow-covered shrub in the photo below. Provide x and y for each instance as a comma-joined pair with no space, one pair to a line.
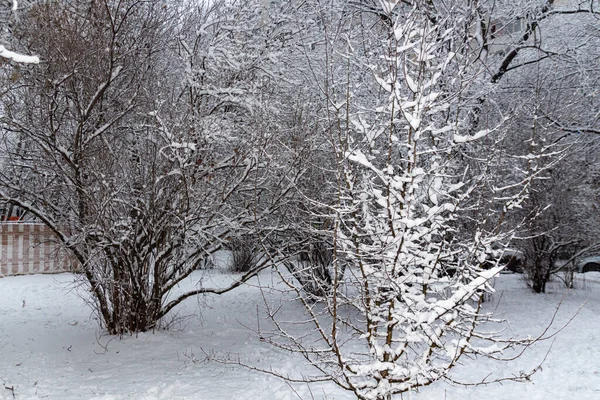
145,141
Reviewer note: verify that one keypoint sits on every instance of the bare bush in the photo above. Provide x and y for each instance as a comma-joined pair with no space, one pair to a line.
245,254
313,269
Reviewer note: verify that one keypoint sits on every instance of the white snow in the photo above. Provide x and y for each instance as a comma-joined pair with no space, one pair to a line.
16,57
476,136
51,347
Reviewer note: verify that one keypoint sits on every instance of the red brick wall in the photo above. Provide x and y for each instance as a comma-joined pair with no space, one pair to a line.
27,248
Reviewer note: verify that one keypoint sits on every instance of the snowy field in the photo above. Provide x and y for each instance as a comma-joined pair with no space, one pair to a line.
51,347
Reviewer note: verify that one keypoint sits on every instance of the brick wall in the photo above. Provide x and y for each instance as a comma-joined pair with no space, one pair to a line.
27,248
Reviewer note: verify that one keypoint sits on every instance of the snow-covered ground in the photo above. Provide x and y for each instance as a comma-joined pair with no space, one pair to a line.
51,347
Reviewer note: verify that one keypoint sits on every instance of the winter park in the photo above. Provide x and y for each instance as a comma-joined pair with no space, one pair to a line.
303,199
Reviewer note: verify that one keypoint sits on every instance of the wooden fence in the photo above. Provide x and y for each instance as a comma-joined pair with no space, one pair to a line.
30,248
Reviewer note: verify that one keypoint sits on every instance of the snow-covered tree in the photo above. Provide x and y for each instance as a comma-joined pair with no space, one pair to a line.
552,85
417,210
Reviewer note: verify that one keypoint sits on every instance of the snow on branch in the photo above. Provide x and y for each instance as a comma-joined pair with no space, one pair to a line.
17,57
